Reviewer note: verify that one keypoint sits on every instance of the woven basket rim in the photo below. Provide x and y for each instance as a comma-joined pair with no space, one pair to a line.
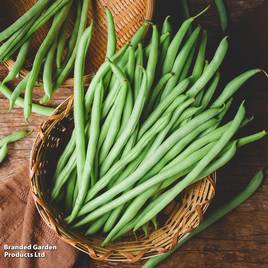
69,81
67,235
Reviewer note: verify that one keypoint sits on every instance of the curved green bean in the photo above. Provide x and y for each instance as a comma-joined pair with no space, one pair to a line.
19,63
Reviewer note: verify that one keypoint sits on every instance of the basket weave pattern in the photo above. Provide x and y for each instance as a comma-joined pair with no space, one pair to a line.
128,14
178,219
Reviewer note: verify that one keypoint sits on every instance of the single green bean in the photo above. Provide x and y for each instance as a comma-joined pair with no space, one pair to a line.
3,153
15,136
187,65
231,88
48,71
211,69
16,92
19,63
166,28
97,225
111,43
61,43
138,70
153,58
201,56
79,119
220,5
70,191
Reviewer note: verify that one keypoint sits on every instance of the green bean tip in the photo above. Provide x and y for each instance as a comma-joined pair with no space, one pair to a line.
201,12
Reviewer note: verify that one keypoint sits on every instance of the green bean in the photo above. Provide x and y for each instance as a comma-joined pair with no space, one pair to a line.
106,125
15,136
143,187
129,169
102,71
8,48
168,196
231,88
153,58
129,213
70,190
138,70
19,101
3,153
213,217
94,131
179,147
130,127
63,176
166,28
132,155
131,65
180,62
97,225
149,162
210,91
185,9
37,22
200,60
211,68
19,63
127,111
71,61
251,138
182,86
73,38
61,44
70,147
176,115
48,71
187,65
140,33
163,38
222,14
79,119
175,45
114,124
16,92
57,22
158,89
35,10
111,43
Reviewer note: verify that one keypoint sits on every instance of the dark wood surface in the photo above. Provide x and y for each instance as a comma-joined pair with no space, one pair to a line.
241,238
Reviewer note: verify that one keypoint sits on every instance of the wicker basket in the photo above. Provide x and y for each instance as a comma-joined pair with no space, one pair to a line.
128,14
178,219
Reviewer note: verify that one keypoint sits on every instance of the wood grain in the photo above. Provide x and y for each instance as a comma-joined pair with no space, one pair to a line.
240,240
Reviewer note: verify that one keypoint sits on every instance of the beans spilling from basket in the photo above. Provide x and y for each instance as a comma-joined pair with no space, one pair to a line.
55,57
148,126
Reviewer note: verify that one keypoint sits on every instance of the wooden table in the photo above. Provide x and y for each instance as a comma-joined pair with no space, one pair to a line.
241,238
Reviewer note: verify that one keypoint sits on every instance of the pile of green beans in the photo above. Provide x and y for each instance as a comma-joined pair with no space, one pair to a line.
5,141
54,59
148,126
